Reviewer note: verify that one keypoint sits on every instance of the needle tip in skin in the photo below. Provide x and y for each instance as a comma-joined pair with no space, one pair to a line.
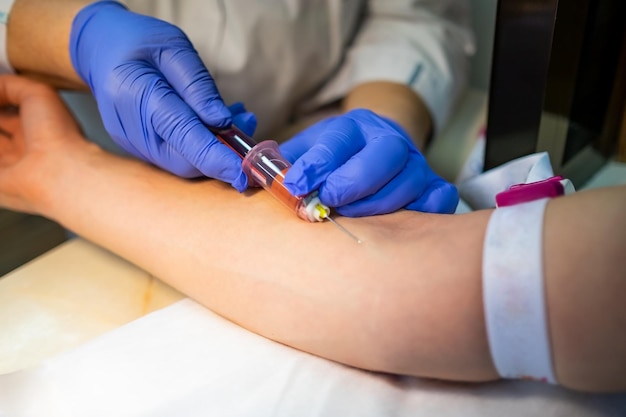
343,229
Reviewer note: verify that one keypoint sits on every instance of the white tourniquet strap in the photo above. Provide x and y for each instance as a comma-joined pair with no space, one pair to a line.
514,294
5,9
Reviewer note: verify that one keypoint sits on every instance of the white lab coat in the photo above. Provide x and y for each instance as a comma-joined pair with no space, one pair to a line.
284,58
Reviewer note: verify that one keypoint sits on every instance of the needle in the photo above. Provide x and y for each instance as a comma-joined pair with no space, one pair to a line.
343,229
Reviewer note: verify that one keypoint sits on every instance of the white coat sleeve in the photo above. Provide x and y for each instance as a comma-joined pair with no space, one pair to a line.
424,44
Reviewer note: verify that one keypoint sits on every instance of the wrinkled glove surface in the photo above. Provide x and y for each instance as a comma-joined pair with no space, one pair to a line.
364,164
155,96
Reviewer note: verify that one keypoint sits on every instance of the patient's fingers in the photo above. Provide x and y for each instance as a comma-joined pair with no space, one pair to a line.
5,133
13,89
9,121
42,112
10,147
17,92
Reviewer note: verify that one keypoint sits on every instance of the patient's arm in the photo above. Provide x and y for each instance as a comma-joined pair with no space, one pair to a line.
38,35
408,300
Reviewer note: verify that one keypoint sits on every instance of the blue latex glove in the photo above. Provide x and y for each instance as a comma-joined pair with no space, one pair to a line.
154,94
244,120
364,164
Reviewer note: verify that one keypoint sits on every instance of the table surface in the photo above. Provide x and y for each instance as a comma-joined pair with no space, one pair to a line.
67,296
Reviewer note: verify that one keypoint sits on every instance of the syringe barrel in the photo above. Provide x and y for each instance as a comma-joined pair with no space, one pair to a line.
235,139
265,166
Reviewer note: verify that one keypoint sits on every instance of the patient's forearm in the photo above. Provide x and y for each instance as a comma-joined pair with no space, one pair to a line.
407,300
585,269
38,37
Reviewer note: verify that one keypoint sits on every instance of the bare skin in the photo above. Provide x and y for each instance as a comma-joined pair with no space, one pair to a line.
38,34
408,300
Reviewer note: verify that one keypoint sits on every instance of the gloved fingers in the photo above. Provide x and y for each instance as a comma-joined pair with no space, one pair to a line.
367,172
163,155
185,72
405,187
130,149
212,158
301,142
181,167
166,155
246,121
335,145
295,147
439,197
175,123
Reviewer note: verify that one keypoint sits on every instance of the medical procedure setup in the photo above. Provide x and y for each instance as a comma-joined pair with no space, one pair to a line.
86,333
266,167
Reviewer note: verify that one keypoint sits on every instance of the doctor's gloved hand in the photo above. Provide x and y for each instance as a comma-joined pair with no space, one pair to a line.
363,164
155,96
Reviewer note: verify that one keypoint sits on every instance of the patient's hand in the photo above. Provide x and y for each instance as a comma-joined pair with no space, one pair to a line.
37,133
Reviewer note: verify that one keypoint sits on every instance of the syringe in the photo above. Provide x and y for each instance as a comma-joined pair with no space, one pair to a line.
265,166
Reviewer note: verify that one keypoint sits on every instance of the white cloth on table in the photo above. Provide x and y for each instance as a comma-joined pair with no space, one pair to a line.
184,360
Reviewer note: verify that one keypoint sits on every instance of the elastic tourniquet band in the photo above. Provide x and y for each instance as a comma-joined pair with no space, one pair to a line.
514,295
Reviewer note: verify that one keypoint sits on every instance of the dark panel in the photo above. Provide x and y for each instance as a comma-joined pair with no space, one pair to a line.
522,46
555,83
